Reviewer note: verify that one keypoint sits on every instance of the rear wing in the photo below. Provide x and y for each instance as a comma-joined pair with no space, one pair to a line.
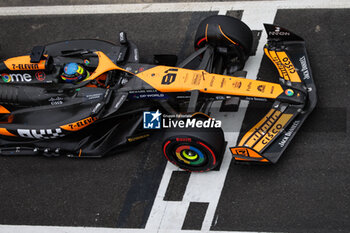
267,140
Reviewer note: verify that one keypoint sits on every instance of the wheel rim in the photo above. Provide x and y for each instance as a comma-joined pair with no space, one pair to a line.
190,155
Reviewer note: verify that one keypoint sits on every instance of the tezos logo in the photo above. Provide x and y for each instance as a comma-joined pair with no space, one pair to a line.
151,120
16,78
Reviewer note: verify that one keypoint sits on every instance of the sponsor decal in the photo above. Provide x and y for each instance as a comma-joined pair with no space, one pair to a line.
96,108
184,139
186,78
242,152
106,93
169,77
120,101
261,88
94,96
16,77
304,68
256,99
237,84
56,100
249,86
147,94
40,133
196,80
75,126
151,120
223,81
25,66
6,78
212,81
271,134
288,64
136,55
132,139
277,61
40,75
289,92
289,133
278,32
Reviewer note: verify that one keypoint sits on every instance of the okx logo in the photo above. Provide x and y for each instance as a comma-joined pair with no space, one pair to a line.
151,120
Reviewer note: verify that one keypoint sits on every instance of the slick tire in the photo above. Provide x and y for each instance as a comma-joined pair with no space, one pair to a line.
225,31
194,150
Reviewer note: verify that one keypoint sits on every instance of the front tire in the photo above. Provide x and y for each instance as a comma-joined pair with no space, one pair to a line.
220,31
195,150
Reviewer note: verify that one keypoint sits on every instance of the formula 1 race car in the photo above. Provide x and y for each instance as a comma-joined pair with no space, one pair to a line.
91,98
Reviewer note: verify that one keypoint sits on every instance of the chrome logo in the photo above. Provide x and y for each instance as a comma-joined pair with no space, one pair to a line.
289,92
189,154
6,78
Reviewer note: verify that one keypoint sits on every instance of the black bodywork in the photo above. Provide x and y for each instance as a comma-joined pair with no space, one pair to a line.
119,109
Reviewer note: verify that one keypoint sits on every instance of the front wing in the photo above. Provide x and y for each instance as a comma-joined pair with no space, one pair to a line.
267,140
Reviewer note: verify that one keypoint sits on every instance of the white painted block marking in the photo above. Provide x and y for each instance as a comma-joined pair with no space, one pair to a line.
167,217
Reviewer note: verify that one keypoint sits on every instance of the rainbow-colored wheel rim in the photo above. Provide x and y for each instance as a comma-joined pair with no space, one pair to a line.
190,155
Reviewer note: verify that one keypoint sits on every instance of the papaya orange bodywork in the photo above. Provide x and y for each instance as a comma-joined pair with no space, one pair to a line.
171,79
247,152
3,110
284,65
76,126
23,63
104,65
5,132
265,130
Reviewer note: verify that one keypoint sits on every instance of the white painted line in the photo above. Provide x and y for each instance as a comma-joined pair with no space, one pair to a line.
208,187
169,7
167,217
255,18
222,11
159,206
54,229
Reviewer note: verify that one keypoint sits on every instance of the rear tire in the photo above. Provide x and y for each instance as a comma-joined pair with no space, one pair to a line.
195,150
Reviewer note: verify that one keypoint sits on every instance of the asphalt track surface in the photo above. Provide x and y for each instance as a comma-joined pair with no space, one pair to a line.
307,191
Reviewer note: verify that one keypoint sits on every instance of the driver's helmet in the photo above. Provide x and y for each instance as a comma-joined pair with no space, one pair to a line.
74,73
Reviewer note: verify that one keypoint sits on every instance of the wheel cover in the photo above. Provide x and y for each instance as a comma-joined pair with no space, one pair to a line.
190,155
